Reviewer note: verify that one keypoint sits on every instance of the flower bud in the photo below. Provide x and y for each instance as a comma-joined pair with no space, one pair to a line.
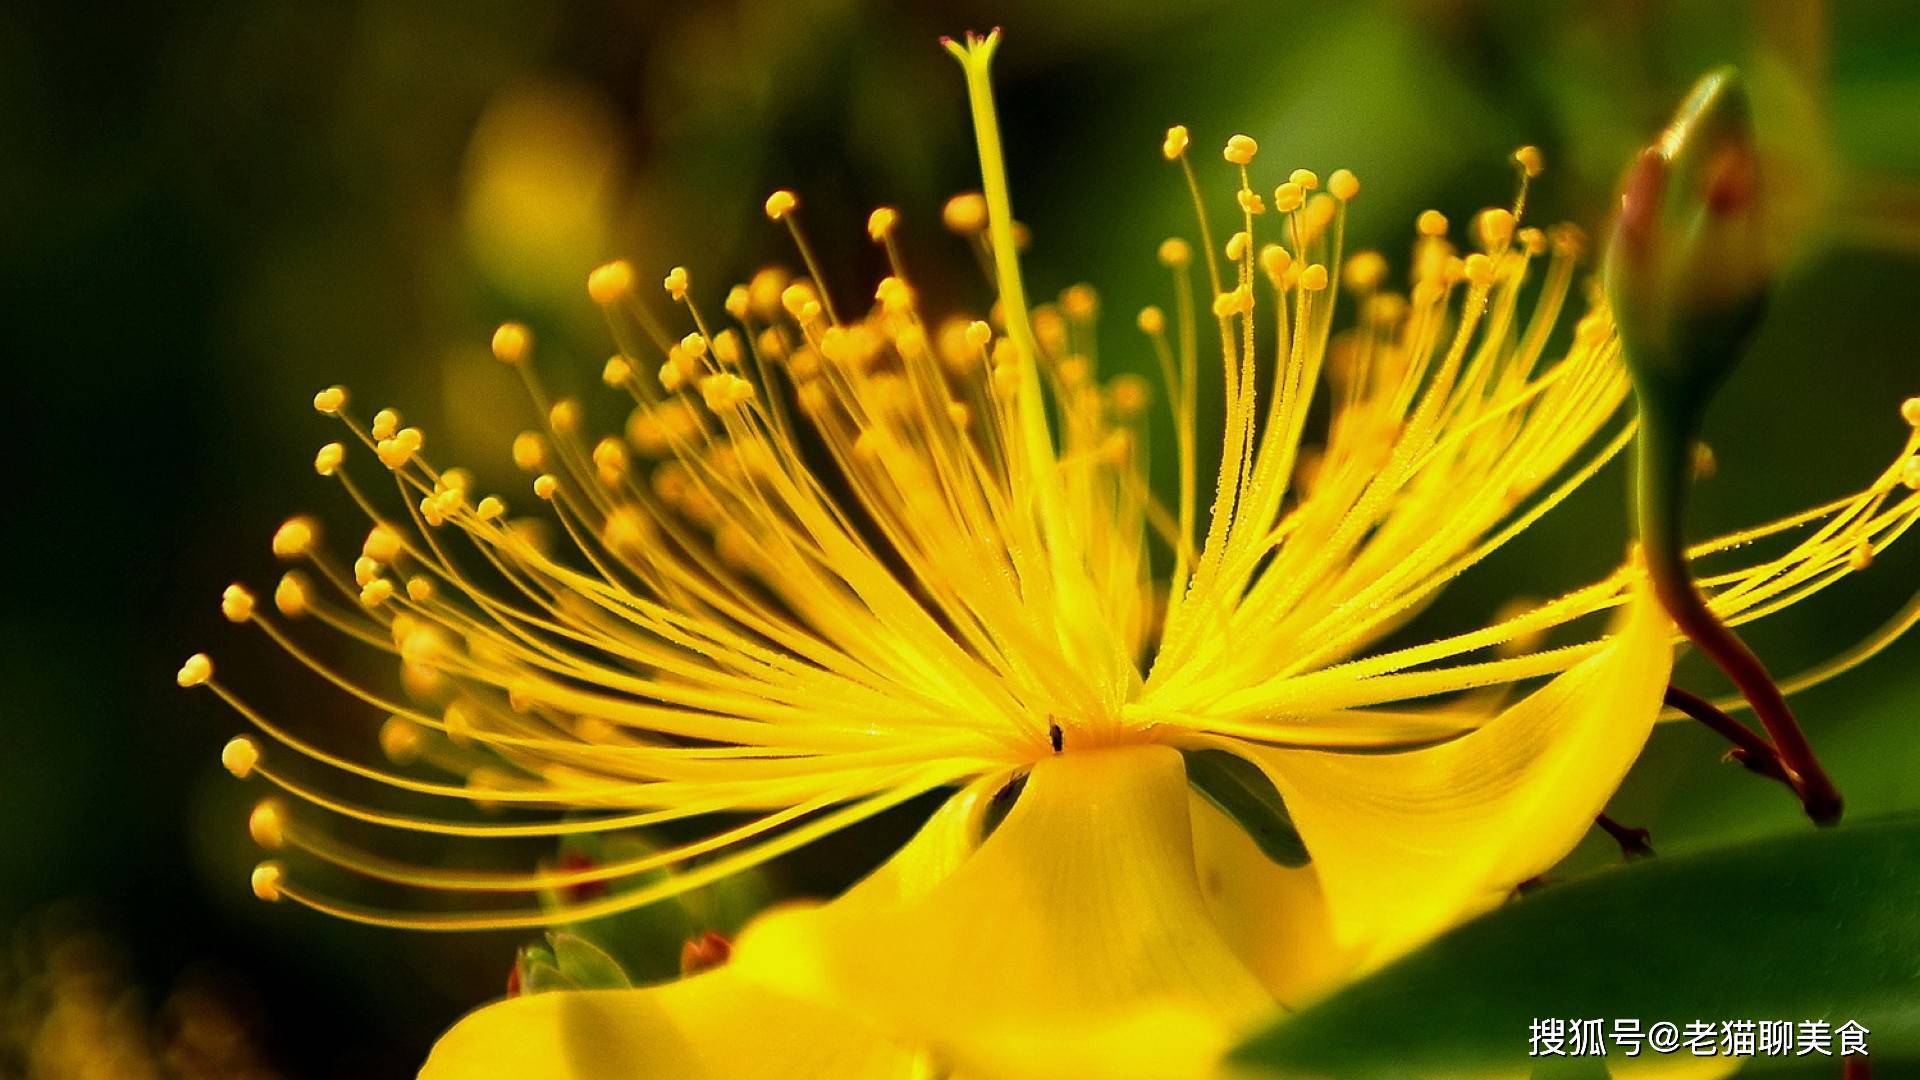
1687,272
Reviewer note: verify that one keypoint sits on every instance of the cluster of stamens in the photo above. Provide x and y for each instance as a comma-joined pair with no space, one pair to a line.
834,561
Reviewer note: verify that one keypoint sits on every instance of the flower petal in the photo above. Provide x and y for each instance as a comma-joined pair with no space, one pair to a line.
714,1026
1407,844
1075,941
1274,916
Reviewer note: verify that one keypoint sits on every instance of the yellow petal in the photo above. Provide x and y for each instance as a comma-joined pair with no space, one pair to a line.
1073,942
714,1026
1274,916
940,847
1407,844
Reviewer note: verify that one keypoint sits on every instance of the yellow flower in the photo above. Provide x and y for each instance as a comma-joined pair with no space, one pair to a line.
842,558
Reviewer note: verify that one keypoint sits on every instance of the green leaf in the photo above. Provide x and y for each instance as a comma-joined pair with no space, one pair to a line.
1243,793
1822,926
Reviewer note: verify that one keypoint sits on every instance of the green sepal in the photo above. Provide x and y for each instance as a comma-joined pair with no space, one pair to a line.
586,965
1242,792
537,971
645,942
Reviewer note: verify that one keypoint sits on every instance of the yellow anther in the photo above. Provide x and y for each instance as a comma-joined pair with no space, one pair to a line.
328,460
897,298
880,223
676,283
959,414
780,204
564,416
236,603
722,392
1275,261
763,291
1431,223
1910,472
1288,197
616,371
1530,161
626,531
420,588
1313,278
489,508
395,452
836,344
978,334
1175,143
1343,184
1080,302
376,592
803,365
738,302
1320,210
1152,320
1910,411
1567,239
911,340
266,825
512,342
382,544
1250,202
1495,226
290,595
400,740
800,300
1233,302
610,282
331,400
965,213
1533,240
529,450
610,457
1073,370
295,537
1237,245
1479,270
421,645
240,755
694,345
198,669
266,881
385,423
1306,178
1591,330
670,378
1240,150
1861,556
1175,252
1129,396
1364,270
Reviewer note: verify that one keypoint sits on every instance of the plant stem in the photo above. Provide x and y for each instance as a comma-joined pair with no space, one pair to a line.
1664,456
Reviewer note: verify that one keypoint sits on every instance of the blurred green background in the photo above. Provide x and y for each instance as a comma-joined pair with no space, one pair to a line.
211,210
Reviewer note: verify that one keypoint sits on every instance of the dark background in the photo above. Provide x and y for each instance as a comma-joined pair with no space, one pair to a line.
210,210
